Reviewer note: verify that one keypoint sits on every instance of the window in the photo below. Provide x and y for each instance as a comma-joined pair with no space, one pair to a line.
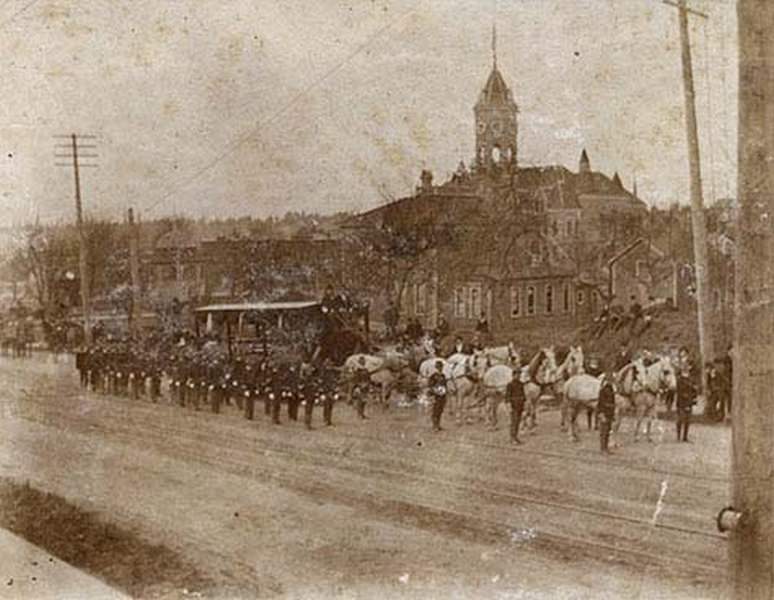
459,302
580,297
420,298
718,300
566,298
531,300
549,299
569,228
475,302
515,303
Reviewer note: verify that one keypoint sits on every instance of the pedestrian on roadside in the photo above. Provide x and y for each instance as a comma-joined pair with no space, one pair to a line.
606,411
516,398
686,398
438,391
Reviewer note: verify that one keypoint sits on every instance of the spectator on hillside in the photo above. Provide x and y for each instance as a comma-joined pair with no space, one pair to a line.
602,321
442,329
391,318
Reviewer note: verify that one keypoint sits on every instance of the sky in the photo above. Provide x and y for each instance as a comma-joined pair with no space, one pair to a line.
244,107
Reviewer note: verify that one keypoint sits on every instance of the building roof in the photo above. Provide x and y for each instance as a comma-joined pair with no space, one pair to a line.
495,92
256,306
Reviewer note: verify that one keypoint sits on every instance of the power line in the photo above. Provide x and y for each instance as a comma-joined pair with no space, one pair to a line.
239,142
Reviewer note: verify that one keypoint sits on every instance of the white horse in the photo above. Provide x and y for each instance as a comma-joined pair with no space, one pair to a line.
464,378
385,371
504,355
581,392
642,386
495,384
571,365
542,374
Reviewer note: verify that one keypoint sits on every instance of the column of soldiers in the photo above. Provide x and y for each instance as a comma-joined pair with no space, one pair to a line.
198,381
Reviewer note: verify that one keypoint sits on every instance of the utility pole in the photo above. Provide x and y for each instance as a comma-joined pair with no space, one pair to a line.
703,299
134,269
751,550
83,258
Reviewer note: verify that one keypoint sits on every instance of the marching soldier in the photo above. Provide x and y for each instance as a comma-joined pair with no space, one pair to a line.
311,392
81,364
438,390
264,371
249,386
328,394
294,389
275,395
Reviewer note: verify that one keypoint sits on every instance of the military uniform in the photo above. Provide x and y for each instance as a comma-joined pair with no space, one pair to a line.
311,392
328,395
277,388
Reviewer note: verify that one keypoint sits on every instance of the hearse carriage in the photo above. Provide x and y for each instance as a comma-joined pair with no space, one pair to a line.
306,329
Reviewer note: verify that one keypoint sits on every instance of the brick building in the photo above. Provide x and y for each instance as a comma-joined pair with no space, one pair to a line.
538,258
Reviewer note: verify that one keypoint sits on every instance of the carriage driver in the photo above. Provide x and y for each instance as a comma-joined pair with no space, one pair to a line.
606,410
438,390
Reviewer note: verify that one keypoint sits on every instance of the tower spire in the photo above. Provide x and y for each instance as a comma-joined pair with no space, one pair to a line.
494,45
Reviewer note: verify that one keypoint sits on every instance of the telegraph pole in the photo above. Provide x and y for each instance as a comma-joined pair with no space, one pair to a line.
751,554
698,227
83,258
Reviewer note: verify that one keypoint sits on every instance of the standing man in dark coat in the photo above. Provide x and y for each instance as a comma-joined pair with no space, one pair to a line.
516,398
438,391
686,398
606,411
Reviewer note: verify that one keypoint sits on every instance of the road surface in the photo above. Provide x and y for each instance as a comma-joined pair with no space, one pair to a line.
379,508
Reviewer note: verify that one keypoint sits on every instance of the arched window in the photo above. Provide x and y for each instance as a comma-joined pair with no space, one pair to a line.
549,299
566,298
581,297
515,302
531,300
496,154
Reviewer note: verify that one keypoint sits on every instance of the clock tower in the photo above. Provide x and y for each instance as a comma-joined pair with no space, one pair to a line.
496,119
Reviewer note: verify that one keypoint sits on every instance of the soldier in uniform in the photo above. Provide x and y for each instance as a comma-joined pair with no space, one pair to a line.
362,382
311,392
294,389
81,364
606,411
328,393
277,387
439,391
154,372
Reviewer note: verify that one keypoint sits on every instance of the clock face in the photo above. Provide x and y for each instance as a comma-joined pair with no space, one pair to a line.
497,127
481,127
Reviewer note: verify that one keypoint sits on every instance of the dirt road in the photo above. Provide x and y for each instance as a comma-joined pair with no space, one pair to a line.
381,508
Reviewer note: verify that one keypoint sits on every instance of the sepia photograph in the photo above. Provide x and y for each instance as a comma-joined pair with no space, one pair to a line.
387,299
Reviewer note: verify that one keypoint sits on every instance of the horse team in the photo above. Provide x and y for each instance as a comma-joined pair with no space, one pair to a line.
477,382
